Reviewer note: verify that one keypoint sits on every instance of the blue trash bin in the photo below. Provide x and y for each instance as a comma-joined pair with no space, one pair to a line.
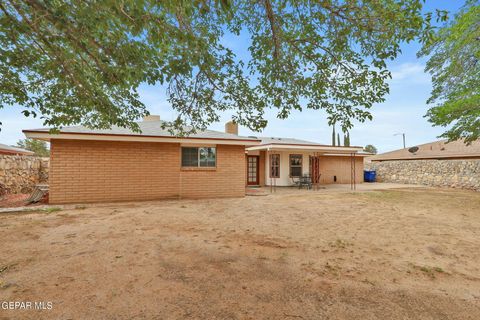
369,175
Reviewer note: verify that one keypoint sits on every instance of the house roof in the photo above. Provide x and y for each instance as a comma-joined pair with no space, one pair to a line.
14,150
149,129
153,131
291,144
433,150
276,140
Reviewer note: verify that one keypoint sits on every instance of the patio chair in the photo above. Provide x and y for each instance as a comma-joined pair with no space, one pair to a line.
296,181
306,180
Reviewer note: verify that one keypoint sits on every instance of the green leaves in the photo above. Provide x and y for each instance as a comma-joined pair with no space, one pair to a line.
454,54
370,148
38,146
79,62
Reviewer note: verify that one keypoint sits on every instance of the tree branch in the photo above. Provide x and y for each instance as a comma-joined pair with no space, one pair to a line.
273,28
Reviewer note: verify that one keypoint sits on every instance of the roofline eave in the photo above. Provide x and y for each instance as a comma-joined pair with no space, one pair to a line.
312,148
46,136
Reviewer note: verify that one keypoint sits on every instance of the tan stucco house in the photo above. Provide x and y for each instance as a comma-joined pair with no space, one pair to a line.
9,150
437,150
121,165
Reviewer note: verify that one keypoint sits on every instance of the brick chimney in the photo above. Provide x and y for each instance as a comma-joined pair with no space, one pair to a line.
231,127
151,117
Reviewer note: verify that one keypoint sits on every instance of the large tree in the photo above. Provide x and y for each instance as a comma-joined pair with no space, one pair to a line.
81,62
454,63
370,148
40,148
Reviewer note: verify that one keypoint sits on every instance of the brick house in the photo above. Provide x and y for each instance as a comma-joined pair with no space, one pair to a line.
120,165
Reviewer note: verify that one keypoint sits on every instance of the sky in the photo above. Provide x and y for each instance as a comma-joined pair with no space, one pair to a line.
402,112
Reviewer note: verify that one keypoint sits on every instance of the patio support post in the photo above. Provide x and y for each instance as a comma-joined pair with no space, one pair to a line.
269,170
353,173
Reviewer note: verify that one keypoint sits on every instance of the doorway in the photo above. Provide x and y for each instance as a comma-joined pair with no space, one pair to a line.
252,170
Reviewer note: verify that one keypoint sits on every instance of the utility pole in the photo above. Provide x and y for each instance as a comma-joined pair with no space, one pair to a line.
403,135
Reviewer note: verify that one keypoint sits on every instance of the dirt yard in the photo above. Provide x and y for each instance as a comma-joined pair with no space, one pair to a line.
397,254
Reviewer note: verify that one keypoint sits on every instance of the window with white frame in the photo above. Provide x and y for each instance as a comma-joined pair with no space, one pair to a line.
199,157
296,165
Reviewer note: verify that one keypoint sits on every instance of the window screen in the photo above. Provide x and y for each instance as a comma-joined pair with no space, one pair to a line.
207,157
189,157
275,166
295,165
199,157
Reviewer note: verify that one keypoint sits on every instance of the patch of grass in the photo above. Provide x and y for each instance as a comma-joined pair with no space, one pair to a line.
429,271
438,269
332,269
3,268
6,285
6,267
383,195
370,282
52,210
340,244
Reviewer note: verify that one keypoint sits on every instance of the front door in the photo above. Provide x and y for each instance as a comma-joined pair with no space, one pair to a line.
252,170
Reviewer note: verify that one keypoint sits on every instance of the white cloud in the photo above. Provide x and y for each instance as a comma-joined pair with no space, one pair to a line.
13,122
409,73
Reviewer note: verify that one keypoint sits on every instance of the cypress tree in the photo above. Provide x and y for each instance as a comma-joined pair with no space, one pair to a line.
333,135
346,139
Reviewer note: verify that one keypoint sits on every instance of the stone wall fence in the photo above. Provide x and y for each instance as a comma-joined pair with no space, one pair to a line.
19,174
464,174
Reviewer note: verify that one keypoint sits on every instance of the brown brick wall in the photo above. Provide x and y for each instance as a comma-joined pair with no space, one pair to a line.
96,171
227,180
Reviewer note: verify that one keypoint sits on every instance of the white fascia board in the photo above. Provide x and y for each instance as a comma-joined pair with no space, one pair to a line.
285,147
100,137
345,155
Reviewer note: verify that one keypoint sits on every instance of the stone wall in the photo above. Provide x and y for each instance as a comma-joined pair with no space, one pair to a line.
463,174
19,174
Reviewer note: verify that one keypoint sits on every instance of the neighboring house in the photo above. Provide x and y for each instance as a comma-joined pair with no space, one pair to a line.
8,150
118,165
433,150
438,164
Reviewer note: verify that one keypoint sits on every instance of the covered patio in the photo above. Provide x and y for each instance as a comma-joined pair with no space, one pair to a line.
288,162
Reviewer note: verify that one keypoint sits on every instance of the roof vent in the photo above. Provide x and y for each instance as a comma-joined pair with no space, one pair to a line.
151,117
